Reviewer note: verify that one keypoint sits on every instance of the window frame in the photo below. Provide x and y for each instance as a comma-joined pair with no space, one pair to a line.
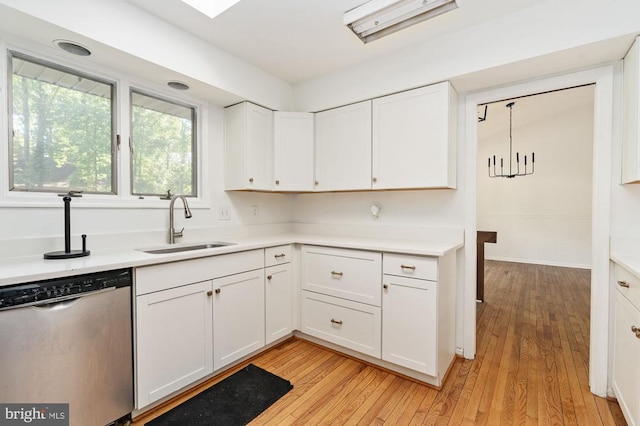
194,140
10,54
122,197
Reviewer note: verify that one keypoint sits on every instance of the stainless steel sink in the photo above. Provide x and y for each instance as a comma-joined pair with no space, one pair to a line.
181,248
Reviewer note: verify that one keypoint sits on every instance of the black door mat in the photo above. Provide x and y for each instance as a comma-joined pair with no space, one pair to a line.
236,400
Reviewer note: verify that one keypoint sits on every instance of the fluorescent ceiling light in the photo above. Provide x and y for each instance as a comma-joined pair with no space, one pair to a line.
211,8
378,18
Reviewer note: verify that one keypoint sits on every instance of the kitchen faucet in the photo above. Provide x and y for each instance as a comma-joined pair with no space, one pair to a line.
173,234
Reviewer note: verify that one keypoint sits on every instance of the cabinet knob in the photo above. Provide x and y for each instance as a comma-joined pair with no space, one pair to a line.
623,284
209,293
385,286
251,180
217,291
316,183
374,180
336,322
337,274
269,277
635,330
277,182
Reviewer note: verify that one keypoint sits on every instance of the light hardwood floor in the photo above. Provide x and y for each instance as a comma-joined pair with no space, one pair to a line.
531,367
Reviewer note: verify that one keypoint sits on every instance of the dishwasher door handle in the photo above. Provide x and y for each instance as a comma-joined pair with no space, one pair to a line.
62,302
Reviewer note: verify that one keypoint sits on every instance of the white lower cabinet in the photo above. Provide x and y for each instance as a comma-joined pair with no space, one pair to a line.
407,320
409,335
238,316
278,302
172,354
346,323
194,317
626,346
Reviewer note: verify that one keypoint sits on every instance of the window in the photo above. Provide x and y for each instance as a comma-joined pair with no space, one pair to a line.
163,140
61,129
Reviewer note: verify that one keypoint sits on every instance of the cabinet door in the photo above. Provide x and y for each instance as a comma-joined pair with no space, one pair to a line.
278,302
238,316
293,155
248,147
631,115
343,148
626,353
413,139
173,340
409,335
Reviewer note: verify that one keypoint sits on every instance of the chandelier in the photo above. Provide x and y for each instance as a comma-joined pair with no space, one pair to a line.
511,173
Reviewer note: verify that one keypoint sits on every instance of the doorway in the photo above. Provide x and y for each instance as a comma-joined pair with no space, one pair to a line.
602,79
543,215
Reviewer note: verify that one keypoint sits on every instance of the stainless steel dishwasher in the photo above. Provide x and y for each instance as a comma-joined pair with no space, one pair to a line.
68,340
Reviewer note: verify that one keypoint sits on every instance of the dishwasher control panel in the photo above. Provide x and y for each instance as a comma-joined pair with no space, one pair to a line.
49,291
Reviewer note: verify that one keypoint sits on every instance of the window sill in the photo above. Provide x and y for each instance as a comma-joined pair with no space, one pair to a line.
31,200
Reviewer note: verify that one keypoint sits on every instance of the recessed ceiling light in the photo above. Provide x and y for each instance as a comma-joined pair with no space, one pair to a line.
178,85
72,47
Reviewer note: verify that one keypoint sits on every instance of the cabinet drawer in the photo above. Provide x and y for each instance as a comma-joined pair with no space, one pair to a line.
628,284
277,255
402,265
353,325
349,274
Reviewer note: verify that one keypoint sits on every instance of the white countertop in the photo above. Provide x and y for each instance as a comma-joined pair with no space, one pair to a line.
629,262
34,268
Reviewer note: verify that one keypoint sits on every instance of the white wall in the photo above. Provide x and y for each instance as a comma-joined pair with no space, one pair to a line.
41,229
434,208
520,46
544,218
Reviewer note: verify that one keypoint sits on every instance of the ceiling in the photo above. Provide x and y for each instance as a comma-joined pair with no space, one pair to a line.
298,40
533,109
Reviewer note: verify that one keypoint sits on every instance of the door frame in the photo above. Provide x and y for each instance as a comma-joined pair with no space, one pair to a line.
603,78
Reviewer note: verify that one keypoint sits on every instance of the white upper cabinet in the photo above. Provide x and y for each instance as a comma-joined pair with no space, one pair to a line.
293,156
414,139
343,148
248,147
631,116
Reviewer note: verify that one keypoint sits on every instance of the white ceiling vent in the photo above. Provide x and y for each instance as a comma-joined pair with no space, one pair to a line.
378,18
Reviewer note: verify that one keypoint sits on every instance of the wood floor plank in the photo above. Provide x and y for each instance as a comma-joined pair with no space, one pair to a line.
531,367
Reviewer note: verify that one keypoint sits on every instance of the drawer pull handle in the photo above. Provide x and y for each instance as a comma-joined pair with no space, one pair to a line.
269,277
623,284
385,286
278,256
413,268
336,322
217,291
209,293
337,274
636,331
